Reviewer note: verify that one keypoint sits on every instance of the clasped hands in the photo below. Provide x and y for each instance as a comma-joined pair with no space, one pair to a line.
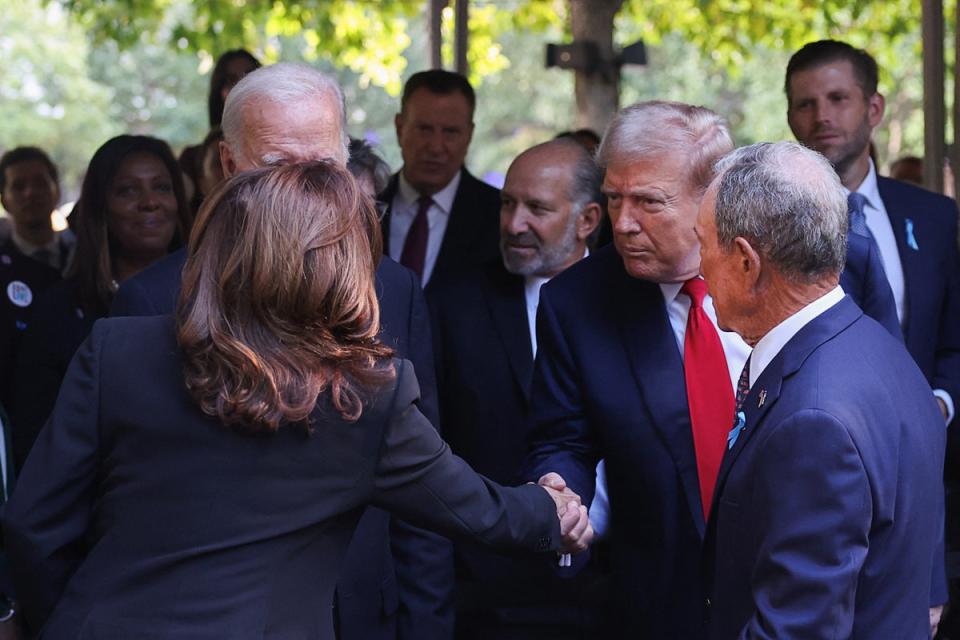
575,529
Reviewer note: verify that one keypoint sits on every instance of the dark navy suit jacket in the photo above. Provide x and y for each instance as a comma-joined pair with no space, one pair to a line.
932,276
472,236
864,280
608,382
139,516
827,508
484,369
397,581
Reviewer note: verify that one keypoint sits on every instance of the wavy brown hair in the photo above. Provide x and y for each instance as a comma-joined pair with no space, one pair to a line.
278,303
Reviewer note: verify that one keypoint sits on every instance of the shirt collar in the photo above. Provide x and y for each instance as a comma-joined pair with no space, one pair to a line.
28,248
868,188
773,342
670,290
442,199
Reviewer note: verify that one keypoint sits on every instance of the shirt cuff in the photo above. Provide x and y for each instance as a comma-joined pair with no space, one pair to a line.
947,400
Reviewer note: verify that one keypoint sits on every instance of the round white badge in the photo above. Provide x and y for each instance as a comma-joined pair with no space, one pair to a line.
19,293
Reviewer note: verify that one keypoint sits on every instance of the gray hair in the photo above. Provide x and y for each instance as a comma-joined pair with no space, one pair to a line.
787,201
282,83
586,179
364,161
650,129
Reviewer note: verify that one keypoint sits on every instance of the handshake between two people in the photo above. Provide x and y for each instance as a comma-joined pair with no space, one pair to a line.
575,528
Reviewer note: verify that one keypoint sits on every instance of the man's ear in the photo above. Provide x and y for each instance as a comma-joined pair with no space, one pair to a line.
748,260
398,124
875,109
227,160
588,220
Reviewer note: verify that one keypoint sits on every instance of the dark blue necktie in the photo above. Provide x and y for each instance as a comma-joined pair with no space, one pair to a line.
858,219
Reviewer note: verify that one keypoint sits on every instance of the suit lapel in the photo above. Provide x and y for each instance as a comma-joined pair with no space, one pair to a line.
506,300
461,226
387,197
766,391
658,371
898,207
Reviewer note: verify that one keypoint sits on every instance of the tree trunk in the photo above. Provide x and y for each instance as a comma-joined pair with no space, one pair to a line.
597,93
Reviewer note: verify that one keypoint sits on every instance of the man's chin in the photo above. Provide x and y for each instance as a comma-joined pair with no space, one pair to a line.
519,265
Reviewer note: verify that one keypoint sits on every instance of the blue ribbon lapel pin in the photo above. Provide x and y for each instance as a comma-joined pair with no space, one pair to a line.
735,431
911,239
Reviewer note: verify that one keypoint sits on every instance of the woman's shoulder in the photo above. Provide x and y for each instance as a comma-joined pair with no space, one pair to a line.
135,335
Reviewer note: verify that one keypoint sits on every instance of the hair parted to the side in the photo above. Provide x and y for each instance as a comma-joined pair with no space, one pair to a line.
648,130
278,302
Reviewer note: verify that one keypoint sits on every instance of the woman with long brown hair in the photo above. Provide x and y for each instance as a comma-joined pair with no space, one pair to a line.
202,475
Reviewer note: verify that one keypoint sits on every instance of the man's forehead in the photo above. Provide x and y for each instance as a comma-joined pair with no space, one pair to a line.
537,171
29,167
830,74
659,170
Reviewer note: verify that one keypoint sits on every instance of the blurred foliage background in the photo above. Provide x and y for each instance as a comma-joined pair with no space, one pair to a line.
76,72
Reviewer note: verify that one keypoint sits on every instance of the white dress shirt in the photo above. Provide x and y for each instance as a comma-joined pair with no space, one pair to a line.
531,290
403,210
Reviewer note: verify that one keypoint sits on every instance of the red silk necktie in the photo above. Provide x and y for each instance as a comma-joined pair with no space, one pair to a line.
709,394
414,254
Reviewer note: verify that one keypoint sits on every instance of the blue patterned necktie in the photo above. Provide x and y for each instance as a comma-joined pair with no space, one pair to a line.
858,219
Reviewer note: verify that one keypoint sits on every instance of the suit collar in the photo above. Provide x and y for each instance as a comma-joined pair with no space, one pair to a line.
898,203
766,391
442,199
773,342
461,229
658,371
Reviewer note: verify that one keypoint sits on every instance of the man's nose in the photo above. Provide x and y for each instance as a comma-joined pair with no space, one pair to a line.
516,222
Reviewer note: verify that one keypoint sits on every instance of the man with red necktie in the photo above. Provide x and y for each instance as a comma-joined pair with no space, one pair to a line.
632,368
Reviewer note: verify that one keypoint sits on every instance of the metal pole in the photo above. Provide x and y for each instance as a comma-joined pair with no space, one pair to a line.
462,34
434,17
934,109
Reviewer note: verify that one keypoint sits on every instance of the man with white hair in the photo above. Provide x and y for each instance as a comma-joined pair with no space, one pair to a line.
828,512
632,369
289,113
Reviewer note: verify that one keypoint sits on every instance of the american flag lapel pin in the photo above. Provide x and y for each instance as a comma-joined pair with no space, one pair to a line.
762,398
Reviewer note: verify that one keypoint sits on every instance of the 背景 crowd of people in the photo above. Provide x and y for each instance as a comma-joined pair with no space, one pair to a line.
690,391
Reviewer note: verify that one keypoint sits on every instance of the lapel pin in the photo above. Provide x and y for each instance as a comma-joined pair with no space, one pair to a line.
762,398
735,431
911,239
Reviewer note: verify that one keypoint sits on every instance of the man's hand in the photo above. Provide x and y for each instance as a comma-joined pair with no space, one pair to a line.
935,614
575,528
